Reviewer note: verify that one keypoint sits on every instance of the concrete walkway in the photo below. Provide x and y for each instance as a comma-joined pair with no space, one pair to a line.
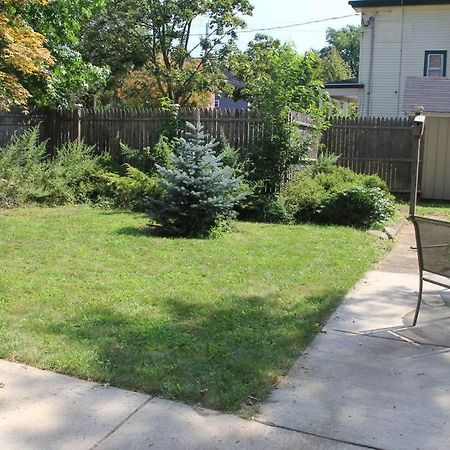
371,379
368,381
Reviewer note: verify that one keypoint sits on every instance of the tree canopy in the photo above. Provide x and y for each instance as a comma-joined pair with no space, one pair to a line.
346,41
159,34
22,53
277,77
72,79
334,68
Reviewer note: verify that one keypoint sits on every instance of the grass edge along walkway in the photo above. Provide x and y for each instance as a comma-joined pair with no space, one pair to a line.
89,293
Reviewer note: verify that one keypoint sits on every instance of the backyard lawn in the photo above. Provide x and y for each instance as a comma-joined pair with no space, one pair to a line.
91,293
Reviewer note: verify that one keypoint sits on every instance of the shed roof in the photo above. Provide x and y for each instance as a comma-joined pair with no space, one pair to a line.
431,93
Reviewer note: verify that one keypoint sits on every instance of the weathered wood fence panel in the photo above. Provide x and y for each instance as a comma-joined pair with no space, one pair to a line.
105,129
16,123
380,146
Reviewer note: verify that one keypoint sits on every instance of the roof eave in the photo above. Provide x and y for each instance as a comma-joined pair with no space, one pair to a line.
373,3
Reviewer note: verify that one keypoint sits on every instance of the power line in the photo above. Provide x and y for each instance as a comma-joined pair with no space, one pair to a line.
281,27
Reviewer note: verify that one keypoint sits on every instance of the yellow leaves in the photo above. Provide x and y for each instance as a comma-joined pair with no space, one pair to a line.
23,2
11,92
24,48
22,53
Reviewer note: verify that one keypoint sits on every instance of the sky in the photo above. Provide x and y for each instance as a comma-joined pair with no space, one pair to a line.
270,13
273,13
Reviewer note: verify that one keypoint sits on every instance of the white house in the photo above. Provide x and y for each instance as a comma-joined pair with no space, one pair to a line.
403,58
404,63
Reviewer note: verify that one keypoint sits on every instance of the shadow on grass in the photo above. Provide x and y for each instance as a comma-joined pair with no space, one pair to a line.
144,231
157,231
217,354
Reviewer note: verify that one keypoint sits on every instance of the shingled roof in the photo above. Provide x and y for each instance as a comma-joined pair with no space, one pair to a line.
431,93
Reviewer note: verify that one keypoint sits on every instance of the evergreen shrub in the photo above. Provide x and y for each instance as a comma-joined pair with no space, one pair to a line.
199,191
148,158
132,190
28,174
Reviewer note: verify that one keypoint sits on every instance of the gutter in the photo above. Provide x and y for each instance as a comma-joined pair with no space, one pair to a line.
370,23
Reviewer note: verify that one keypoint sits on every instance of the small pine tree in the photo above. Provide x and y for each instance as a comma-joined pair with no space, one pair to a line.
199,191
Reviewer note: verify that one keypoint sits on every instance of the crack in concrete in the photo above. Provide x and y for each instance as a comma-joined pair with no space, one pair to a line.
308,433
103,439
400,337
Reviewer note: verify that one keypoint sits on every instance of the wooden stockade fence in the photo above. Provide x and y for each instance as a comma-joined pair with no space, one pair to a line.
374,146
106,129
11,123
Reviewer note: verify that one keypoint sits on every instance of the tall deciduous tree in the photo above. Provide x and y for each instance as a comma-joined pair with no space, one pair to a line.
277,77
334,68
346,41
22,53
277,80
72,79
161,33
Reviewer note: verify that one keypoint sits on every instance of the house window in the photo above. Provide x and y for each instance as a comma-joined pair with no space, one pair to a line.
435,63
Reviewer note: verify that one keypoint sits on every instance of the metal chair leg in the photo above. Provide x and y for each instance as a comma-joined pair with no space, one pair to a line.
419,300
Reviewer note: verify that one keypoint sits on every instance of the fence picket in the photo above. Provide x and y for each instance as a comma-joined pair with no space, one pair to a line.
373,145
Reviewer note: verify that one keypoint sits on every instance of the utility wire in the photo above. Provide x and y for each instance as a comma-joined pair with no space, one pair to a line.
280,27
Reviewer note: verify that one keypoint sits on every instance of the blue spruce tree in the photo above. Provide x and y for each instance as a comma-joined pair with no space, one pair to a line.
199,191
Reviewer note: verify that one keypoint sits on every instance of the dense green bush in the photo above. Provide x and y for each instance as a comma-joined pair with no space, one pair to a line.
22,169
132,190
326,193
27,174
302,198
199,192
71,176
359,206
148,158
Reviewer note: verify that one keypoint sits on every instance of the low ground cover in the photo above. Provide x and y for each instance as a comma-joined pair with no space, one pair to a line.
90,293
434,209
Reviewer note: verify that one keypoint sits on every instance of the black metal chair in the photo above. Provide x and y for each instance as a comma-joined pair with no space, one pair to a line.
433,251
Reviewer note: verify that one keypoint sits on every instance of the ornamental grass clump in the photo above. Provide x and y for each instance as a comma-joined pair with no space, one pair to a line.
199,191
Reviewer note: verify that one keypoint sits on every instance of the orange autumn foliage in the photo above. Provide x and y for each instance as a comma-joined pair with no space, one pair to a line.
139,89
22,53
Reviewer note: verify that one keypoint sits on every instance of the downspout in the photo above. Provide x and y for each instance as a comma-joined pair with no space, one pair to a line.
400,68
371,23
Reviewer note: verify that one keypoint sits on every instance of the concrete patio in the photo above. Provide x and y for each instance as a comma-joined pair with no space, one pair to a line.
371,379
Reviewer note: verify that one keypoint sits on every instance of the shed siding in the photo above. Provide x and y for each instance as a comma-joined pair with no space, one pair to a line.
425,28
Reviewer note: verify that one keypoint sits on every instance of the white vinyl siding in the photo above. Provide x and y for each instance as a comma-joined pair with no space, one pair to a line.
425,28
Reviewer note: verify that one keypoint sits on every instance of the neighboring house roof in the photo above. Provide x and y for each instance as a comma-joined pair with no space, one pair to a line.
431,93
344,84
237,84
368,3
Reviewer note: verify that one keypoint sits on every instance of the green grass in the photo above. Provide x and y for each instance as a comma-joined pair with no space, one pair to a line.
90,293
439,210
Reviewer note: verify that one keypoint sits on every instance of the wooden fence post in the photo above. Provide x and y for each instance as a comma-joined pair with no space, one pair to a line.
77,122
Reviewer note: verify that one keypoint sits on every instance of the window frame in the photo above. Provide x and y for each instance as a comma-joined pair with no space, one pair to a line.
442,53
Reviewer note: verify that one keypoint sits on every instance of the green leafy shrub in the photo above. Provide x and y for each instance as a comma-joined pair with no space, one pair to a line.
271,209
303,198
341,178
336,195
240,167
325,163
358,206
199,192
148,158
70,177
132,190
